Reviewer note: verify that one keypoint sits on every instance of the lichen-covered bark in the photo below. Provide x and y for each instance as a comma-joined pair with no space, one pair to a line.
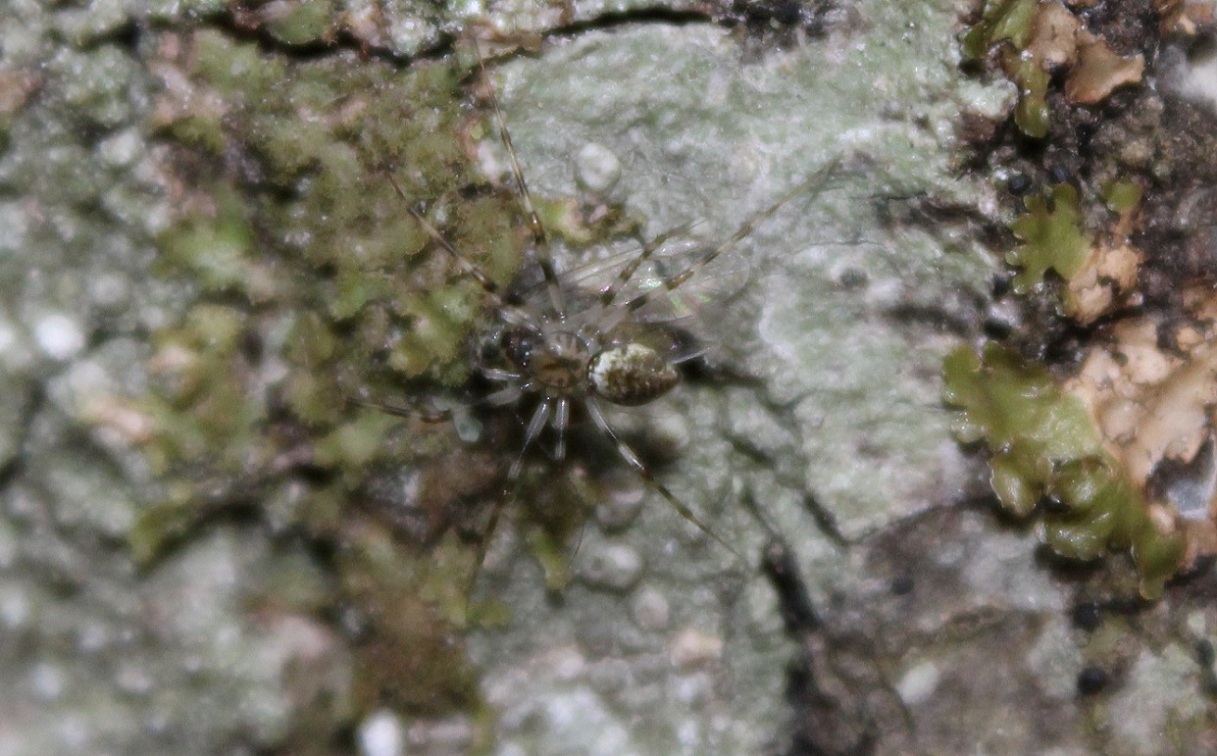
206,549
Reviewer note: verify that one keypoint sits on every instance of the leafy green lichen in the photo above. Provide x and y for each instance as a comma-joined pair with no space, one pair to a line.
1011,23
1122,196
1001,21
1053,238
1031,115
1044,443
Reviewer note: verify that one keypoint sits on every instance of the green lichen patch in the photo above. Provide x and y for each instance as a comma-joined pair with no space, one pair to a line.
315,211
1018,411
1045,443
1032,114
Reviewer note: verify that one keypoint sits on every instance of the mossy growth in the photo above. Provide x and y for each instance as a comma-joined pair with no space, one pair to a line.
312,284
309,284
1045,445
303,22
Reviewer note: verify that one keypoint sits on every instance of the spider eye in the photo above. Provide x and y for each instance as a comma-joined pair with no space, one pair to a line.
519,347
630,374
490,346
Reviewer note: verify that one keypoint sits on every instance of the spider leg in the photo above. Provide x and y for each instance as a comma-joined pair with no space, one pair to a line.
540,240
561,421
540,417
609,292
467,266
498,398
498,374
631,458
814,184
511,313
425,414
535,425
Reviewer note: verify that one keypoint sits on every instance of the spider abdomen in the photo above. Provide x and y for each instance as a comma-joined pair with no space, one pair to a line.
630,374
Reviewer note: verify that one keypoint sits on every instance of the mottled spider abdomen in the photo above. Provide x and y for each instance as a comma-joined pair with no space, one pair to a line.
630,374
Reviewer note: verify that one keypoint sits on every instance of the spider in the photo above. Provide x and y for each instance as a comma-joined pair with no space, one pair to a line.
563,344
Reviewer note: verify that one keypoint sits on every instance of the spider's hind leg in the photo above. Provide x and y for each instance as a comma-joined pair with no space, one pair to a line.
635,462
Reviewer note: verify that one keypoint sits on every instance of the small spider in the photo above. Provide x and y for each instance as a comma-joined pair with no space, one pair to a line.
563,343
